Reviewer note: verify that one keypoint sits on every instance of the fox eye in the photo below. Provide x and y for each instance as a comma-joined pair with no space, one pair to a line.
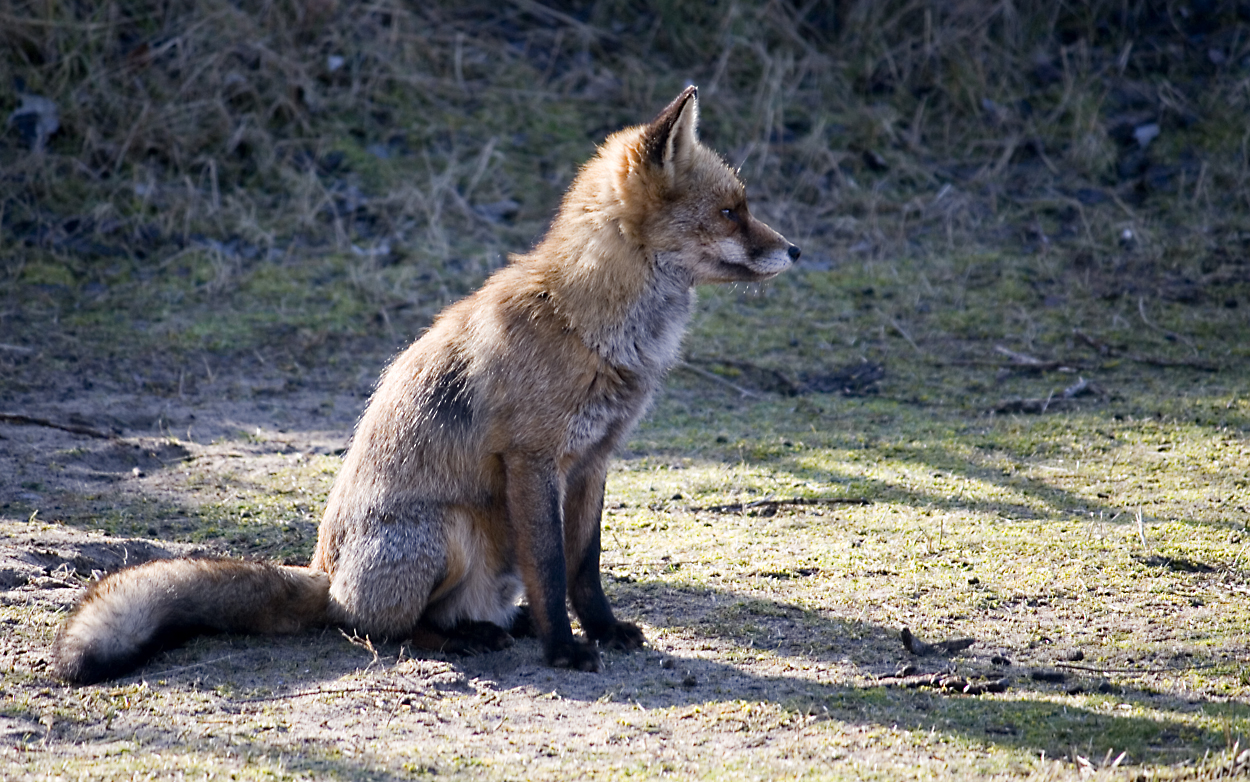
730,214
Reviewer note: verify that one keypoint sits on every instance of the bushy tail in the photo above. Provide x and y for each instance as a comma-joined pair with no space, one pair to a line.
129,615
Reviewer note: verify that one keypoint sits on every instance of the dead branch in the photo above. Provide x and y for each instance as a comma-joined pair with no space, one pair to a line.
741,507
706,375
789,387
1100,670
1027,363
949,683
362,689
1103,349
26,420
1155,361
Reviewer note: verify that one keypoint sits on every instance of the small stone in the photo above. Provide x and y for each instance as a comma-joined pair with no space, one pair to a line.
689,680
1144,134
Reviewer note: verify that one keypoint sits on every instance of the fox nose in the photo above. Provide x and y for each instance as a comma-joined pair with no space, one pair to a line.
794,252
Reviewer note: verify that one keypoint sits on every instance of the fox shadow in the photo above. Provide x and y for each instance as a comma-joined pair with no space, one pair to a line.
825,668
804,647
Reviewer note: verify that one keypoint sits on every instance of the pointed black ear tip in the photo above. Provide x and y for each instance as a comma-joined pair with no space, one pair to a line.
688,95
674,109
658,135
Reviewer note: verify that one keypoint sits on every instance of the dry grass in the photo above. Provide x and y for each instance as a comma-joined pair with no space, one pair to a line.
863,126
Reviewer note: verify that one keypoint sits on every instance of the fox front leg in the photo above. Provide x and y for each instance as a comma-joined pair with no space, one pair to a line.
537,518
583,513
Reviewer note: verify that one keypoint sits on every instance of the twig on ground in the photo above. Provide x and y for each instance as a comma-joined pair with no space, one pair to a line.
1100,347
1141,310
167,671
1103,349
739,507
947,682
790,388
364,688
1032,363
856,379
1155,361
364,643
706,375
1096,669
26,420
774,380
903,332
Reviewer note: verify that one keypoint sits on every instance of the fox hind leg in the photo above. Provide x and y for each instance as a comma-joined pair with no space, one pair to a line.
385,573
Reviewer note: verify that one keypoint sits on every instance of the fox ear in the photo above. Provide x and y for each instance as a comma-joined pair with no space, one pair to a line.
671,137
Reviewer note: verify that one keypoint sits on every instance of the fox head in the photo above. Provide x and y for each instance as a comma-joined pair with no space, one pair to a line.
691,207
655,192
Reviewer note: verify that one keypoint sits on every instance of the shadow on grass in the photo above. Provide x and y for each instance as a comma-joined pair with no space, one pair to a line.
1030,717
308,670
920,454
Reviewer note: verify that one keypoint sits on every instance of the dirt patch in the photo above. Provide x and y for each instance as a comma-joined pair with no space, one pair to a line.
765,662
45,556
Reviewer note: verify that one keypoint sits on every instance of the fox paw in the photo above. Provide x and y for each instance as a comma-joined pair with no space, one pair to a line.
467,638
479,638
575,656
622,635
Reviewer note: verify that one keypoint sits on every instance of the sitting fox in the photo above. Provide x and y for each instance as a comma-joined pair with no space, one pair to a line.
477,471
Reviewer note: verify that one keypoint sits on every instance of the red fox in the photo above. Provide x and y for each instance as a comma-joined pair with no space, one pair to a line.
477,471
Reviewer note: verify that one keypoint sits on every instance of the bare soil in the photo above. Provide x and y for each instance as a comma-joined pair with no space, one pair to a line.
742,678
